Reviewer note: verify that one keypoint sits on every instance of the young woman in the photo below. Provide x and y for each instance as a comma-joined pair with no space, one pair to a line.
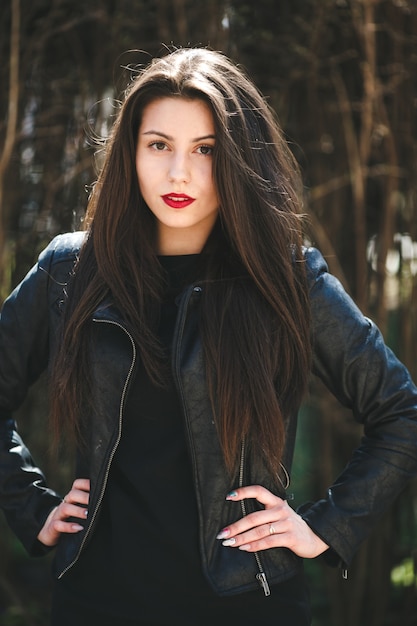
180,330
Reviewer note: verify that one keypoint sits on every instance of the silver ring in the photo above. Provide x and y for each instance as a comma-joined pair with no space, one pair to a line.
271,529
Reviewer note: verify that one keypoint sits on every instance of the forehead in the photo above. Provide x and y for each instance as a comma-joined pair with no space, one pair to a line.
177,112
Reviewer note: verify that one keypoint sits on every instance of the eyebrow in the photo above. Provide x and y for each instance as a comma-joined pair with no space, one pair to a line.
161,134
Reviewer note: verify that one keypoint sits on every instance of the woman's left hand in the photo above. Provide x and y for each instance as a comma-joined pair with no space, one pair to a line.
277,526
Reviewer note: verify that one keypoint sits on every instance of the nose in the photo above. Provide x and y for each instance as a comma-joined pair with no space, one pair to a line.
179,171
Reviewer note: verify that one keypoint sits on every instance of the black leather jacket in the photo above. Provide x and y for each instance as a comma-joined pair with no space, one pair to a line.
349,356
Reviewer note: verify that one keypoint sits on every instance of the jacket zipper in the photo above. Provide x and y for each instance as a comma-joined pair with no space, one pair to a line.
260,576
113,451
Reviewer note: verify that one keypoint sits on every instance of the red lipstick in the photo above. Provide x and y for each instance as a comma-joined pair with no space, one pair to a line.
177,200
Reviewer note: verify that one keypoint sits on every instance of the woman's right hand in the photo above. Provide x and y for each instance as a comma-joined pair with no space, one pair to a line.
74,505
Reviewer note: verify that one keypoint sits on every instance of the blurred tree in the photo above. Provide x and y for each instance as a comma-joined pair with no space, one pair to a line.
341,75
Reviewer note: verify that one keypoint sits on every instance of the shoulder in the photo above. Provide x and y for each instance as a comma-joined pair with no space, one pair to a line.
57,260
63,248
328,297
316,266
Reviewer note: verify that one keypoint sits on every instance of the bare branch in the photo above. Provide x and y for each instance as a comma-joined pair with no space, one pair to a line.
11,126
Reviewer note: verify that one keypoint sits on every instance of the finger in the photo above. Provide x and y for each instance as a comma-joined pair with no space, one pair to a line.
60,526
66,510
81,483
259,493
258,520
79,492
76,496
266,543
57,523
244,531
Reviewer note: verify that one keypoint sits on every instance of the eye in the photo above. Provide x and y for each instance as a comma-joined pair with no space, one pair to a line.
205,150
158,146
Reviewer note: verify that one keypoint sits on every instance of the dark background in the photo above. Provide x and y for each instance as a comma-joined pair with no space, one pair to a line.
342,76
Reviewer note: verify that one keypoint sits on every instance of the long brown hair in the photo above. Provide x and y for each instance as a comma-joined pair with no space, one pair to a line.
254,310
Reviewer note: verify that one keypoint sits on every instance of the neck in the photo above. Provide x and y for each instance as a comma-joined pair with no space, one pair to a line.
180,244
188,240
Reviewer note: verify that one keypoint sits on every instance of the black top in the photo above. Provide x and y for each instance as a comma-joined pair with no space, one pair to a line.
142,564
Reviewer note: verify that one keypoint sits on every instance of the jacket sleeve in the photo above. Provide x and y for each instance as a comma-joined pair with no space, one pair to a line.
24,349
350,357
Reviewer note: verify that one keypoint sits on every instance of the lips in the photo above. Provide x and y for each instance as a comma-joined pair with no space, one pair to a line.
177,200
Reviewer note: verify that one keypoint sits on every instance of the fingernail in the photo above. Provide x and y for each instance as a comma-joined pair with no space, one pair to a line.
77,527
230,495
85,512
245,547
223,533
229,542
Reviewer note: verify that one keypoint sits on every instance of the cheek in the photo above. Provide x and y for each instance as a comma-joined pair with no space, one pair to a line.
143,176
142,166
213,191
206,175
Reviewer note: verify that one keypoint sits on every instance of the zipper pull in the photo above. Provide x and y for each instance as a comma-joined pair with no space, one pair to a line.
261,578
